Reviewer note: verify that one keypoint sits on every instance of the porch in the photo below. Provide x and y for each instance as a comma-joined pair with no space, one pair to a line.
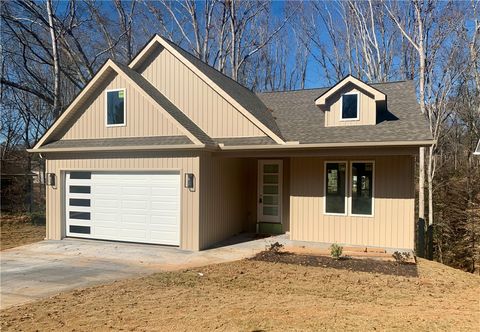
278,194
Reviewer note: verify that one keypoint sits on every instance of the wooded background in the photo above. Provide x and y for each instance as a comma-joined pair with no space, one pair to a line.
51,49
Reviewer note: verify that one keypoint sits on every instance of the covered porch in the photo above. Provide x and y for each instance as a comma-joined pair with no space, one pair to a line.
359,197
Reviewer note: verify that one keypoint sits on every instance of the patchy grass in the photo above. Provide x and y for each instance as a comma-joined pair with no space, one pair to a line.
18,229
252,295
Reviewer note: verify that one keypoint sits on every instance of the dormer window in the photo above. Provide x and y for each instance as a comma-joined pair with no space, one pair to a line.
351,102
350,106
115,110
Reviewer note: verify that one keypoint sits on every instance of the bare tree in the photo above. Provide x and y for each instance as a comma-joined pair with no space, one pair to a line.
56,60
416,38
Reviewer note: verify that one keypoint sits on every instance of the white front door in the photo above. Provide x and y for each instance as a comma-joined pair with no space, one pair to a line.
124,206
270,180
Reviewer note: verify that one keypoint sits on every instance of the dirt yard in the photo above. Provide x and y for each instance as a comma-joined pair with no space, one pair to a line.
255,295
17,230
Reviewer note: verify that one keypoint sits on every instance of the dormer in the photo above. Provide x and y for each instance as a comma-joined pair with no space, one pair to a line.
351,102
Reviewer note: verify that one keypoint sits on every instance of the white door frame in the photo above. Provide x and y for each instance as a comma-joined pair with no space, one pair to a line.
260,216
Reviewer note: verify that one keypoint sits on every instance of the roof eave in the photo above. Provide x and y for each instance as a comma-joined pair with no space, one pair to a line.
126,148
423,143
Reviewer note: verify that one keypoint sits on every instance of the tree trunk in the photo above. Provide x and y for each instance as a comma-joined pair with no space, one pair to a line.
421,184
430,185
421,178
56,66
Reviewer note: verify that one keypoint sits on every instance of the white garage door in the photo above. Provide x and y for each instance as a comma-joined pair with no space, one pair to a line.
135,207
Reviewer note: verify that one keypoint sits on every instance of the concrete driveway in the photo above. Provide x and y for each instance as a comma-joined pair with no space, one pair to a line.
47,268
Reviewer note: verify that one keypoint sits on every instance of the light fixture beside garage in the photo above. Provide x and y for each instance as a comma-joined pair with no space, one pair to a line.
51,179
190,181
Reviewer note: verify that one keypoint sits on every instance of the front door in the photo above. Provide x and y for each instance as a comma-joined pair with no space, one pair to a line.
270,180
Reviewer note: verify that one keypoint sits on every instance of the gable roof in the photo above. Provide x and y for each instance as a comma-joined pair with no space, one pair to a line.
171,109
290,119
242,98
192,131
301,120
377,94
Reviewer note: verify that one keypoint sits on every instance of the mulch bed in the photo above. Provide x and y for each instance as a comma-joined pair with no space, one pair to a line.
352,264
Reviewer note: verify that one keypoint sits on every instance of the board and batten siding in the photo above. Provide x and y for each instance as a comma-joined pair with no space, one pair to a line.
223,192
184,162
392,225
200,102
143,118
367,109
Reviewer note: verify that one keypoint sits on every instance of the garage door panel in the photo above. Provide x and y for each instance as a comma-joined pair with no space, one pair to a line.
167,206
106,190
138,207
162,220
131,190
134,219
165,198
140,203
134,234
99,203
167,238
162,192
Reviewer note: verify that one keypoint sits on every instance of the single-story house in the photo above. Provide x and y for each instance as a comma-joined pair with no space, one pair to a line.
168,150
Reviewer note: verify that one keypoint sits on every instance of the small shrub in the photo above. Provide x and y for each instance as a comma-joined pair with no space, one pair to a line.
275,247
401,257
336,251
38,218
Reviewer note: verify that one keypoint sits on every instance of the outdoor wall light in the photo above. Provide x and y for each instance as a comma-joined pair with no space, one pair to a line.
190,181
51,179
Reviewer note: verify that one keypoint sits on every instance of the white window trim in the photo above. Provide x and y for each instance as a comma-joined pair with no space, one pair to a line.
358,106
351,185
124,108
325,187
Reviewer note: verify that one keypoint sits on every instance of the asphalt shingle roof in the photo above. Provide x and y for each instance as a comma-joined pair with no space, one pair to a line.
300,120
245,140
116,142
245,97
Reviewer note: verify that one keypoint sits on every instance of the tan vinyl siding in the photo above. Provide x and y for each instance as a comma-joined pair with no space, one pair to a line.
392,225
367,110
208,109
142,117
223,193
185,162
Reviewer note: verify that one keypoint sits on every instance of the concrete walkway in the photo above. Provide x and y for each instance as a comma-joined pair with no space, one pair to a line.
47,268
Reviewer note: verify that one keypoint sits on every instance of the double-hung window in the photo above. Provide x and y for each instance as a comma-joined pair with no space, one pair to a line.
349,193
115,110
